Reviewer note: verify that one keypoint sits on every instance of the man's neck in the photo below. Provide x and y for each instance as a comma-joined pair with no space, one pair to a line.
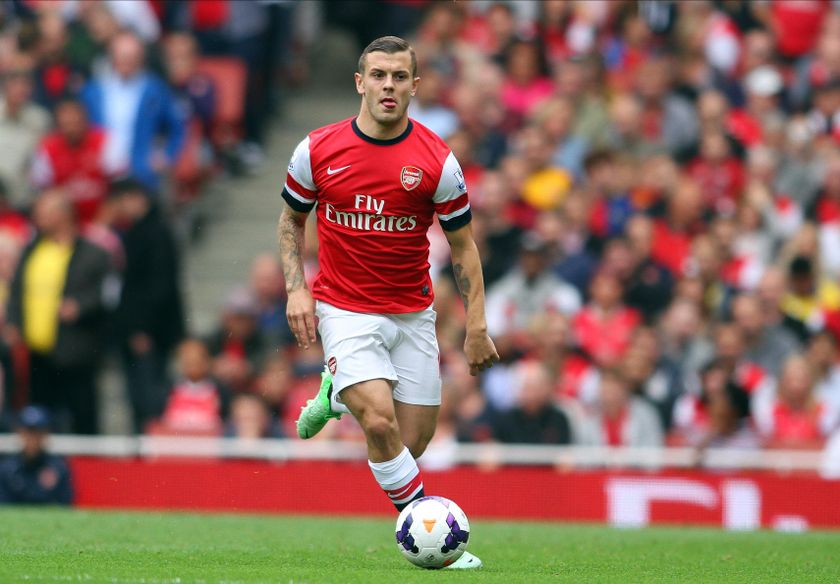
373,129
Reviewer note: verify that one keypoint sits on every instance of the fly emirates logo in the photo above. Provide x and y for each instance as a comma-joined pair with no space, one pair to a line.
368,216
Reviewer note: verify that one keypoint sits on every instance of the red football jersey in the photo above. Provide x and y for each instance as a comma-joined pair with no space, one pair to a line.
376,200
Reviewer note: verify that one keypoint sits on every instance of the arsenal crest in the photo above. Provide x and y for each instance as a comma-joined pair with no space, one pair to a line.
410,177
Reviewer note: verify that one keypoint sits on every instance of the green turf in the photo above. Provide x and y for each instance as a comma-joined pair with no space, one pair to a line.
52,545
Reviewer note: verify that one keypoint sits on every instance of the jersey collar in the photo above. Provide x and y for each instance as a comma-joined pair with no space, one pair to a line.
379,142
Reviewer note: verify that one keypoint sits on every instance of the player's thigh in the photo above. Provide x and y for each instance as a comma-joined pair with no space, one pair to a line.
372,404
416,360
417,425
355,346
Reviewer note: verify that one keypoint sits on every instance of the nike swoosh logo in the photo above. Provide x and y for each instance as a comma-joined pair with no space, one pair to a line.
332,171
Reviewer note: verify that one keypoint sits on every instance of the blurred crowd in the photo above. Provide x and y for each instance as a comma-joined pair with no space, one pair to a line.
115,118
655,188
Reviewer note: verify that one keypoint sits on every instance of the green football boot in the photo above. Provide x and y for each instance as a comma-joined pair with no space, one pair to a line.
316,413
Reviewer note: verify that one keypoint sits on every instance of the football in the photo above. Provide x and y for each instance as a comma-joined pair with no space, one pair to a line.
432,532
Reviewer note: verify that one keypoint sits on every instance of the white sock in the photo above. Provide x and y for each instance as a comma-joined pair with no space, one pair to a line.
399,478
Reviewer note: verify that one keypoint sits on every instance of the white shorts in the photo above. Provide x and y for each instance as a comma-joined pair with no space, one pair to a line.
401,348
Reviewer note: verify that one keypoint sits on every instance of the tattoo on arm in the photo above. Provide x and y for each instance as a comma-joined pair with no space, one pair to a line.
463,282
290,237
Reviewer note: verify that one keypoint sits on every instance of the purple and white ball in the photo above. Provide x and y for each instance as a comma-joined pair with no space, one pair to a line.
432,532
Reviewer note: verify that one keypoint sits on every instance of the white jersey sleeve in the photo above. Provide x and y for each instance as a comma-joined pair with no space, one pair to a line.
452,204
300,191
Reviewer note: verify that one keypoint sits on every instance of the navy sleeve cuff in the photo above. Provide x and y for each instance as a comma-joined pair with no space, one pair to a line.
296,204
457,222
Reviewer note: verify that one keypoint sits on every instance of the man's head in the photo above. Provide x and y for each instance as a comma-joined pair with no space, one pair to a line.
387,79
71,120
129,200
33,426
53,213
267,279
535,388
17,81
613,393
194,360
181,54
802,278
748,315
127,54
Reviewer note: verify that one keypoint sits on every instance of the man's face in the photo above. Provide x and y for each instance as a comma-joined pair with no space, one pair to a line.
32,441
71,122
387,86
126,55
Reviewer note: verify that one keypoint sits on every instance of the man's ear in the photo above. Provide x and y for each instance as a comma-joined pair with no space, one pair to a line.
360,86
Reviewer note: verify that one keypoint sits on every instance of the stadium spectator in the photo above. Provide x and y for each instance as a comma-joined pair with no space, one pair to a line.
535,419
766,346
795,417
72,157
528,291
430,108
14,225
683,336
771,291
237,347
197,403
545,185
194,91
57,310
576,377
647,285
619,418
149,321
33,476
555,117
604,327
116,96
269,293
250,418
651,374
22,123
729,423
823,356
809,298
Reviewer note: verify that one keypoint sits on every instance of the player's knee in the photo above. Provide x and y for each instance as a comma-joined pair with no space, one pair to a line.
379,426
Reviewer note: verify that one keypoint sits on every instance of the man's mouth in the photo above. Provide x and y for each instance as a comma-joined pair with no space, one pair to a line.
388,102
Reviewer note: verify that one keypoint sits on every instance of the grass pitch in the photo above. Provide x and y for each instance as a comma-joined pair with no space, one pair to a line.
54,545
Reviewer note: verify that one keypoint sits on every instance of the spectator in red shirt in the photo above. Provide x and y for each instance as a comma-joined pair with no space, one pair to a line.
604,327
672,235
71,157
197,403
719,174
795,417
526,84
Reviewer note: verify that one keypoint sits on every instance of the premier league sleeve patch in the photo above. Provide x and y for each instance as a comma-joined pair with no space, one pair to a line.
410,177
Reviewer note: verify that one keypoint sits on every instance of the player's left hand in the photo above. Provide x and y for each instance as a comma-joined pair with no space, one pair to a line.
480,351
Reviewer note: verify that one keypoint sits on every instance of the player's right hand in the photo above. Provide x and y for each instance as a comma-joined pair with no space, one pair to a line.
300,311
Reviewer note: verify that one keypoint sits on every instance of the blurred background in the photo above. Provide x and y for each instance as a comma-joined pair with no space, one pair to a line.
655,188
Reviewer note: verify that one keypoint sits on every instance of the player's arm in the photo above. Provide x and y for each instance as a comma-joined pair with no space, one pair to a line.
466,265
300,194
300,307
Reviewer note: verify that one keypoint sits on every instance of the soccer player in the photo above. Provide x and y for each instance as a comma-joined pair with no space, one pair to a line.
378,180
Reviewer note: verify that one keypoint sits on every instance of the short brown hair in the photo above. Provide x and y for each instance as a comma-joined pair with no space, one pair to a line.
389,45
